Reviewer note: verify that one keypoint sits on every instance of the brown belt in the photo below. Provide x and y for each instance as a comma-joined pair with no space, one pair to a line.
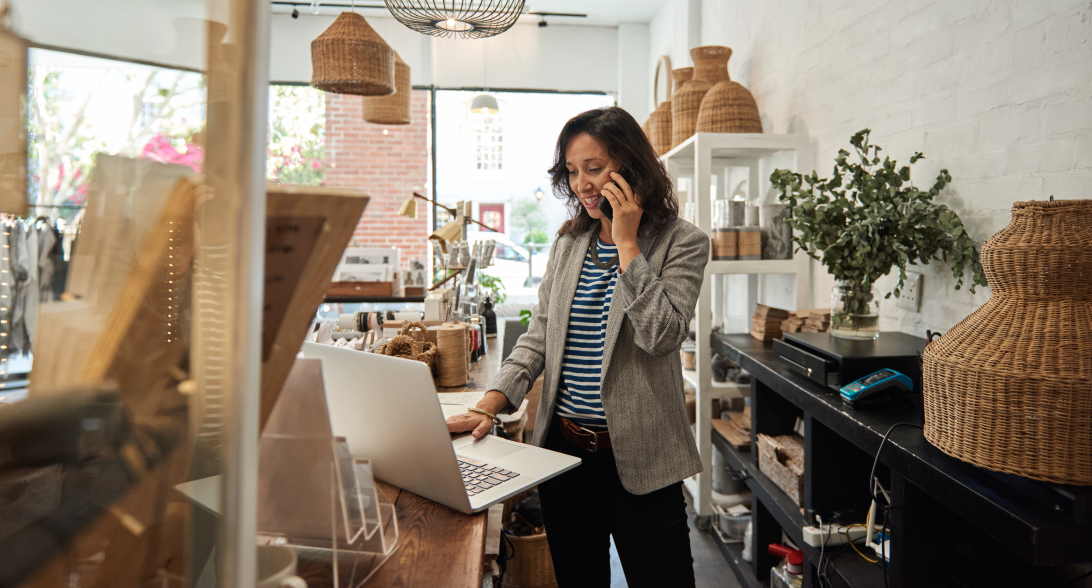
584,438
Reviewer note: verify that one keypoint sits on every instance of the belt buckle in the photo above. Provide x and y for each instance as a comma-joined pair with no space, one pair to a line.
595,439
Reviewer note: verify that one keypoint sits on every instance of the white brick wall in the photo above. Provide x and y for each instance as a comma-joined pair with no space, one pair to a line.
997,92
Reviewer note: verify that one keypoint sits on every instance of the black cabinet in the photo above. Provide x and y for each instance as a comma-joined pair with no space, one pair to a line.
951,523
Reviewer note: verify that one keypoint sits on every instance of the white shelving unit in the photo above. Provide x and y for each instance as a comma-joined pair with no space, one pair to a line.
701,157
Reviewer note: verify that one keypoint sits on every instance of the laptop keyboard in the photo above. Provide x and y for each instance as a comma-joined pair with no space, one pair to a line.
479,476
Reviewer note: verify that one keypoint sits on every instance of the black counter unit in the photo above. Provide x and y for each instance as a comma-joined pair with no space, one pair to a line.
951,523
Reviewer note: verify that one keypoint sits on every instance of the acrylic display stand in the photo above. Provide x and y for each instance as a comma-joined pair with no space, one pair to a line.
313,495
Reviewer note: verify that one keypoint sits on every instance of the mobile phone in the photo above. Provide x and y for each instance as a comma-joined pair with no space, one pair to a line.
604,204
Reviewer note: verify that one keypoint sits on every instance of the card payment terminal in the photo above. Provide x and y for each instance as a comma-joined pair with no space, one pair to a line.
885,384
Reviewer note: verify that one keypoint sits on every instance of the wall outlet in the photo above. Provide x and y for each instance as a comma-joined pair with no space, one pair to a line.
910,298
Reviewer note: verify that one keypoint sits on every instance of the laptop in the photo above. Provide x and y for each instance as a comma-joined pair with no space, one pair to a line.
388,411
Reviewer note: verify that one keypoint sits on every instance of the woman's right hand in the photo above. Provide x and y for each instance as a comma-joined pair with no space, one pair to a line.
478,423
493,402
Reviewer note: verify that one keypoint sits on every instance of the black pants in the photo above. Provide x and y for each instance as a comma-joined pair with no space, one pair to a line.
583,507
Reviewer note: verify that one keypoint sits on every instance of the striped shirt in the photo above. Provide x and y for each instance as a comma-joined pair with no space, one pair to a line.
582,362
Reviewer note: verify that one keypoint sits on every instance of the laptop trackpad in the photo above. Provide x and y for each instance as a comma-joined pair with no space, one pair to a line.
487,449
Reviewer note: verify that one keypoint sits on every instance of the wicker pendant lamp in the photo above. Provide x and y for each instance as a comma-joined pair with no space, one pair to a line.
728,107
710,67
1010,387
351,58
393,109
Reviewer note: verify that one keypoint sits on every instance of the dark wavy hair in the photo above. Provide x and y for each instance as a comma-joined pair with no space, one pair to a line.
626,142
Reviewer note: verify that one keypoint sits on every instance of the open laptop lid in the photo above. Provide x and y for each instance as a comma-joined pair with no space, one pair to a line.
387,410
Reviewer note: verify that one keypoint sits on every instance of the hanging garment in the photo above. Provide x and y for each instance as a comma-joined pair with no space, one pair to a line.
48,238
17,235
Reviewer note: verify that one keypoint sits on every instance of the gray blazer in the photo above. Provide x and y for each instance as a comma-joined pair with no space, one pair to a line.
642,387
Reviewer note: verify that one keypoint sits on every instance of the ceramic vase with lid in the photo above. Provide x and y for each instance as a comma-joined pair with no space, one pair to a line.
1008,388
727,107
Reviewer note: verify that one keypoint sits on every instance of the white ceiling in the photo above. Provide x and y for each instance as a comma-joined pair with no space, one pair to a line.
604,13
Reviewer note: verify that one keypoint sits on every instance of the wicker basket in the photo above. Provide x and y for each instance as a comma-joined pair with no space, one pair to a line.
729,108
351,58
531,565
411,344
685,103
711,63
393,109
1010,387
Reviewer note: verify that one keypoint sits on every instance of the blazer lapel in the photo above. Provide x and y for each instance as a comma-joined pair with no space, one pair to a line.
561,303
617,312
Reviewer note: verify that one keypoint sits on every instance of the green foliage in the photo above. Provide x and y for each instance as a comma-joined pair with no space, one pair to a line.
869,217
494,284
527,218
537,236
525,317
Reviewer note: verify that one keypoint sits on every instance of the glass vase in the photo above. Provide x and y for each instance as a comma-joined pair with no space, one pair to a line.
854,311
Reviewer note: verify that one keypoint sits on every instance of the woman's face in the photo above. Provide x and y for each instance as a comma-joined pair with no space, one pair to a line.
589,165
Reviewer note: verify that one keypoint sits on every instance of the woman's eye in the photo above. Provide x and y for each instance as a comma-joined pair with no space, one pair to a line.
594,171
572,172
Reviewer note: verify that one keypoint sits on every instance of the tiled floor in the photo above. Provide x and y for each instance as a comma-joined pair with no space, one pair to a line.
710,569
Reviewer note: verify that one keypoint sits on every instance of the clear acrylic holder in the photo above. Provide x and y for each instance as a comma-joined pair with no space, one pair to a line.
313,495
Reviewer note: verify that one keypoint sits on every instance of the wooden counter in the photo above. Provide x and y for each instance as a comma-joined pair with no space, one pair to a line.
437,545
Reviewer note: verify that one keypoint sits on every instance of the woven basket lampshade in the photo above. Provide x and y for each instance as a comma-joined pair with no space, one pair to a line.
683,78
393,109
728,107
351,58
1010,387
711,63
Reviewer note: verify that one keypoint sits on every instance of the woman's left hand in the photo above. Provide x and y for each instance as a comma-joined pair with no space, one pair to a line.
627,212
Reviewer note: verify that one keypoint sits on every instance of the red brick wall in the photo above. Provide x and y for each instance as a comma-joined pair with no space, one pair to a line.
386,167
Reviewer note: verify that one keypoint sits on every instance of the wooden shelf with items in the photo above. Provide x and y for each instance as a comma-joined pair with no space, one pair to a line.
702,157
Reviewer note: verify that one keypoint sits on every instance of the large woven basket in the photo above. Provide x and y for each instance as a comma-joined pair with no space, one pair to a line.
393,109
351,58
685,104
728,107
531,566
659,122
1010,387
711,63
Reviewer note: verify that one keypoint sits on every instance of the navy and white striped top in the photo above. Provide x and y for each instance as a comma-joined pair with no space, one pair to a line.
582,362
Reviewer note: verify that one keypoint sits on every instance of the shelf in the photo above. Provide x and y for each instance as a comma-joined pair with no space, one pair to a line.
784,510
733,554
722,389
734,145
757,266
374,299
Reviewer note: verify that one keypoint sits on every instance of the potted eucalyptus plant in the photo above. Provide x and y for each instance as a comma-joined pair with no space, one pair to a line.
866,219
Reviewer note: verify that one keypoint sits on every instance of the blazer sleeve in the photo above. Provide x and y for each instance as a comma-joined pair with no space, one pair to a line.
660,307
528,358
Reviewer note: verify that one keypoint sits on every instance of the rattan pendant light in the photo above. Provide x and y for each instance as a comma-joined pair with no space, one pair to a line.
351,58
466,19
393,109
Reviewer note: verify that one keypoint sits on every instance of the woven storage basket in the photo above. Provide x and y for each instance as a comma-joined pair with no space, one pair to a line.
351,58
411,344
659,122
728,107
531,566
684,105
1010,387
711,63
393,109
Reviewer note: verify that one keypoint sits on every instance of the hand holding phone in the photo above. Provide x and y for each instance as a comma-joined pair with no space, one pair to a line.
604,204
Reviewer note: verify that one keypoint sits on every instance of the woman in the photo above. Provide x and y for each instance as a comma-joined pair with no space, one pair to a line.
614,307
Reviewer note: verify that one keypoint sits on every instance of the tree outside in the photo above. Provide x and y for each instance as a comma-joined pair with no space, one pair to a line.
297,135
78,108
528,222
